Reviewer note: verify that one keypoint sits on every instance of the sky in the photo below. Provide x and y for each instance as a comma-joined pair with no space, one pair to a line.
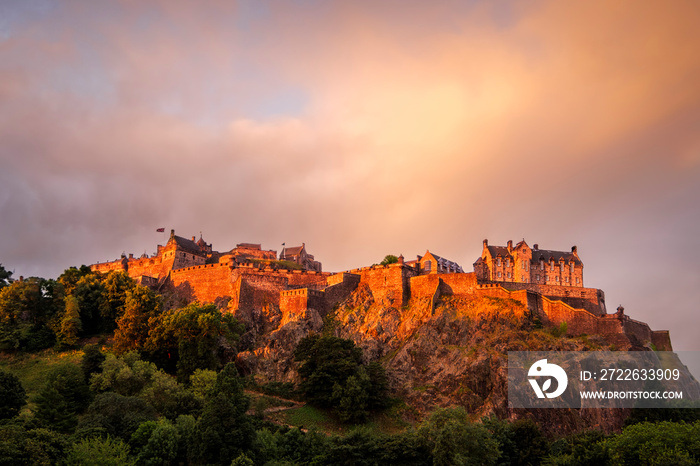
361,129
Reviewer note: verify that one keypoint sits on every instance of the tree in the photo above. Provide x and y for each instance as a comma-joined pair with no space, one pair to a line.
5,277
116,415
186,339
99,452
389,259
117,285
92,360
91,295
224,431
141,304
12,395
334,377
27,309
70,324
63,396
452,440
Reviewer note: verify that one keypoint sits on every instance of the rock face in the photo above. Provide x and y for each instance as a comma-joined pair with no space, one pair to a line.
436,355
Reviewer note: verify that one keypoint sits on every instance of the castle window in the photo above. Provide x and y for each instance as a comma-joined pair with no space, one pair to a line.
426,266
561,266
557,278
537,277
541,265
566,279
498,262
523,265
499,274
508,274
578,280
572,267
507,262
551,266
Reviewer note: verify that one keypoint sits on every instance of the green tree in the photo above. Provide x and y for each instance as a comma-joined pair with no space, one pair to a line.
116,415
27,310
12,395
334,377
22,445
141,304
64,395
92,301
389,259
5,277
520,442
70,277
224,431
117,286
99,452
659,443
93,357
452,440
70,324
186,339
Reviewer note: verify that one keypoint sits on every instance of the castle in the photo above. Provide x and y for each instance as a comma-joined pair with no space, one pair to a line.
248,278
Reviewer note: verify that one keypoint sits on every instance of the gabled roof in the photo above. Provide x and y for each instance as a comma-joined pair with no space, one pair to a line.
555,255
295,251
187,245
496,250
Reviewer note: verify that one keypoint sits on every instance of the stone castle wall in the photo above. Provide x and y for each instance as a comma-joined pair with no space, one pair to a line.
388,283
590,299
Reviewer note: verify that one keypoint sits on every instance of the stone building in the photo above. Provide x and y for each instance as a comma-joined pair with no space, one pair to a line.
299,255
432,263
522,264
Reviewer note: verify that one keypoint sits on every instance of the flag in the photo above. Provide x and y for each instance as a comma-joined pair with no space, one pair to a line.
161,230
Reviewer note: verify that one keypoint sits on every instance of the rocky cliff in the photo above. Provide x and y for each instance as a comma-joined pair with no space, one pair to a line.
437,354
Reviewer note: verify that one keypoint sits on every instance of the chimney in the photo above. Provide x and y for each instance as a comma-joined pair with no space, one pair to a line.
486,243
574,250
193,238
535,246
401,259
131,256
510,245
172,234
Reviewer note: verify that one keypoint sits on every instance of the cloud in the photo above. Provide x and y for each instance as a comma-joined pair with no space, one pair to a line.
360,130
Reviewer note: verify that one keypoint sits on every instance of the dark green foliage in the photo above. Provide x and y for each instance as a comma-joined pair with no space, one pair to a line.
648,443
12,395
333,377
389,259
452,440
223,431
93,358
71,326
116,415
28,311
156,443
520,442
70,277
183,340
23,445
117,286
90,293
64,395
54,411
98,451
587,448
140,305
663,414
5,277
